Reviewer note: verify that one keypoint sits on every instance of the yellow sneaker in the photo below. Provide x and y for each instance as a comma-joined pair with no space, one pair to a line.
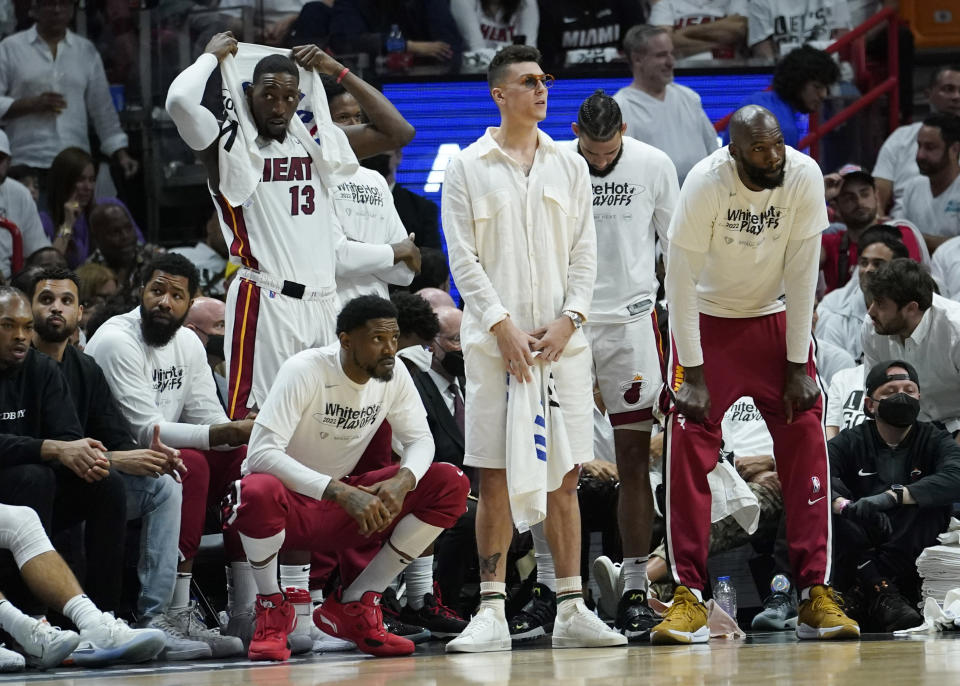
820,617
685,621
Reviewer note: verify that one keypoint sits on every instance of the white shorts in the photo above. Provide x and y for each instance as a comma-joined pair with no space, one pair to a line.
628,368
263,329
485,405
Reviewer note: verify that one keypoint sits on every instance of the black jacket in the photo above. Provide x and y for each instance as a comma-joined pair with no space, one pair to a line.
418,215
575,25
927,462
35,405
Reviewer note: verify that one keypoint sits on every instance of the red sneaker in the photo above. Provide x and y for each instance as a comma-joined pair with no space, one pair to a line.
276,619
361,622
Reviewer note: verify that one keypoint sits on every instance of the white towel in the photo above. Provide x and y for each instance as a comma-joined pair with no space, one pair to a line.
538,452
241,164
731,496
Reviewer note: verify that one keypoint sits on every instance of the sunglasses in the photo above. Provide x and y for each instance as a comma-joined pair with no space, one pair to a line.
529,81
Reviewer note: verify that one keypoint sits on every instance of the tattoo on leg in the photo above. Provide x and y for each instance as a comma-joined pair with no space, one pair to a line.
489,564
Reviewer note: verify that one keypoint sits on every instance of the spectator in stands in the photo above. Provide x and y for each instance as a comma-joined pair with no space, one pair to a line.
103,639
841,313
70,201
844,407
150,476
572,32
703,29
801,81
852,192
26,176
42,430
893,483
932,200
436,297
52,85
419,215
434,271
777,25
909,321
209,256
47,256
114,236
207,318
98,285
653,99
157,371
897,161
17,206
428,28
488,25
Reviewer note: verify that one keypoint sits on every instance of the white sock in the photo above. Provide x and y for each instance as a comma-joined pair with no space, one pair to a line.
295,576
181,591
493,594
569,594
241,588
546,574
265,577
411,536
82,612
697,593
419,578
15,622
634,573
805,593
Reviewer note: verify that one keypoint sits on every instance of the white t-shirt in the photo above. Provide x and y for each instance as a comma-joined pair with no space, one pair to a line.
17,206
945,268
364,206
681,13
938,216
897,159
845,399
831,358
796,21
841,314
632,205
744,233
171,386
316,422
479,30
689,137
745,434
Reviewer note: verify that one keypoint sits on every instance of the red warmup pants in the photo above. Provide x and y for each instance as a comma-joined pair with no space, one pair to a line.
746,357
209,475
266,507
379,454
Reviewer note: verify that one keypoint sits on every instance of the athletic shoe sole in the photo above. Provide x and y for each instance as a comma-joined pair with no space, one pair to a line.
761,623
299,643
833,633
529,635
637,636
57,652
606,577
571,642
673,637
488,647
140,649
188,654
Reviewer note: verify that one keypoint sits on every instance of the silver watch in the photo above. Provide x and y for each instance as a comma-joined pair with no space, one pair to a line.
574,317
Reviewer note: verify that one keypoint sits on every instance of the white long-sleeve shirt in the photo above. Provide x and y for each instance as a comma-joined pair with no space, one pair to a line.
519,245
734,252
934,350
316,422
27,69
170,386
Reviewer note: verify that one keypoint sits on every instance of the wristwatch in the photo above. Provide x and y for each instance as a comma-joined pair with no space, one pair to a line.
574,317
898,491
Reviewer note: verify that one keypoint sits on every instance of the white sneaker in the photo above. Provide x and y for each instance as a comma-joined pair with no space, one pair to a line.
583,629
176,646
325,643
113,641
242,625
487,632
48,646
11,661
189,624
606,573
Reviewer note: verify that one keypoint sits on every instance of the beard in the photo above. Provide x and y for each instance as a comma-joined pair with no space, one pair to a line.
929,168
759,176
156,332
49,334
605,171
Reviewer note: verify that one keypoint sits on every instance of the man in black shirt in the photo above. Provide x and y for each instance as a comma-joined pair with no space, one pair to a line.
46,463
893,484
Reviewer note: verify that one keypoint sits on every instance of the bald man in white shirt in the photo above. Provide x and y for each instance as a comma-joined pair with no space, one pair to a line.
746,231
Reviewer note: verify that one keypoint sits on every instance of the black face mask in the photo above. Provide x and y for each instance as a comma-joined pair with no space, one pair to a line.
899,410
215,346
452,363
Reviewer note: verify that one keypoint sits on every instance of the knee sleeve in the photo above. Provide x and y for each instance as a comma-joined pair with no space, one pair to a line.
22,533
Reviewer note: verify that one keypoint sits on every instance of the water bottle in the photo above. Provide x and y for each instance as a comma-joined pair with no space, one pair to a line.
398,58
725,595
780,584
395,41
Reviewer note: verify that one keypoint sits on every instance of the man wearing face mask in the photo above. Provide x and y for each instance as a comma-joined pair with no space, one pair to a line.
893,482
206,319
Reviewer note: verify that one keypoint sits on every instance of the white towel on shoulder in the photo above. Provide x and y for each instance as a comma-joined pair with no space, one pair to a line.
241,164
538,452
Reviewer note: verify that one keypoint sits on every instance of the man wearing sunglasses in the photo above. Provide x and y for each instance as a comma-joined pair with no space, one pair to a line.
517,213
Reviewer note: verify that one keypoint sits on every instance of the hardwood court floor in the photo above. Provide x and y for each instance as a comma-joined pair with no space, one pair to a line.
876,660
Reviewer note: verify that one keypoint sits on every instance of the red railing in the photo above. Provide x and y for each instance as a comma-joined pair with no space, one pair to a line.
889,85
17,256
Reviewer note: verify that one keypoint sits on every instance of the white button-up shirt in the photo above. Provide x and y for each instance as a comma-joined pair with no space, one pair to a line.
27,69
519,245
934,350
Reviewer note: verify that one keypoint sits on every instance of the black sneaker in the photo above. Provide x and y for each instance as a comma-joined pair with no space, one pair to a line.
435,616
537,616
391,609
634,616
890,611
779,613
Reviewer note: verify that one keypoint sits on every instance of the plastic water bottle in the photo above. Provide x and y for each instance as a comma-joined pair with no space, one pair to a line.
780,584
395,40
725,595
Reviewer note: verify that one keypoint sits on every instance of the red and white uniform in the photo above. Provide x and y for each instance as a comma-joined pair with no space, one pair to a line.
733,253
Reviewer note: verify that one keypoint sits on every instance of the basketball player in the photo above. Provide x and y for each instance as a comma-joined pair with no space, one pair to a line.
516,208
286,235
746,231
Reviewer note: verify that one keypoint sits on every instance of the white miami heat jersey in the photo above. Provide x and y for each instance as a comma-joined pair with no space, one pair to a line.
287,228
631,206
